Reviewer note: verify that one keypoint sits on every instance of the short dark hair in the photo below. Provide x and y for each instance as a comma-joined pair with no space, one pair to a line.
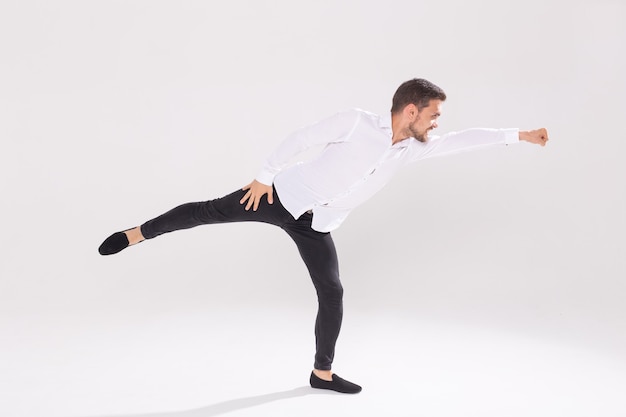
417,91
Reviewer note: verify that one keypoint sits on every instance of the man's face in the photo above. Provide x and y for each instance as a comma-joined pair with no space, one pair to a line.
425,121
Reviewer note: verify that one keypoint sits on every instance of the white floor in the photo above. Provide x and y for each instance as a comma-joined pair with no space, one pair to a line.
257,363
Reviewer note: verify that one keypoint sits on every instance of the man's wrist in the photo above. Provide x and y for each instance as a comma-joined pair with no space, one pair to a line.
523,135
265,178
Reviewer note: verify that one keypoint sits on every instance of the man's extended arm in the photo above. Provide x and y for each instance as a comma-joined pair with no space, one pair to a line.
471,139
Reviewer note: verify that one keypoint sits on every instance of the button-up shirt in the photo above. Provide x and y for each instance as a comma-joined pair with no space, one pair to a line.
358,159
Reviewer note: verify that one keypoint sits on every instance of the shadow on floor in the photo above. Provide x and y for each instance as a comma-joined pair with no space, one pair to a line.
236,404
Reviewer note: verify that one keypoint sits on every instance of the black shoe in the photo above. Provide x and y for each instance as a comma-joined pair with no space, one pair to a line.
114,244
337,384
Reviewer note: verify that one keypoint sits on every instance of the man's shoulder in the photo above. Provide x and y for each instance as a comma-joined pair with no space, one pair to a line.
366,116
375,120
355,117
363,113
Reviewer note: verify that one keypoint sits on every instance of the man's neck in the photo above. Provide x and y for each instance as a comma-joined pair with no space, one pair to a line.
398,132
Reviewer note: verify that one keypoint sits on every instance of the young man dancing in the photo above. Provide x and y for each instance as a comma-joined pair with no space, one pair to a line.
308,200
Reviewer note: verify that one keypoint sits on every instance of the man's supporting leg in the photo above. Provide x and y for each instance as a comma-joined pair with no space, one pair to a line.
320,256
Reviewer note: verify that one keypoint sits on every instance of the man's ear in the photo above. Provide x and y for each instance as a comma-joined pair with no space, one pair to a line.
410,112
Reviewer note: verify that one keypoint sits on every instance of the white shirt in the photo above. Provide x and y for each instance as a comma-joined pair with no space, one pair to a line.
357,161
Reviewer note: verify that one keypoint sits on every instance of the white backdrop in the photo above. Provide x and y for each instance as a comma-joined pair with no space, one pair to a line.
112,112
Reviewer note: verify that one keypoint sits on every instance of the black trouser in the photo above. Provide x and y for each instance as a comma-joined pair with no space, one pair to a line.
316,248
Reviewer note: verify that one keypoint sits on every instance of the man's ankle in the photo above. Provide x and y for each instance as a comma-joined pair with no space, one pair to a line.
134,235
326,375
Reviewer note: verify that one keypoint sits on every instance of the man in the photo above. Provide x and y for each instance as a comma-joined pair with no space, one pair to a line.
362,152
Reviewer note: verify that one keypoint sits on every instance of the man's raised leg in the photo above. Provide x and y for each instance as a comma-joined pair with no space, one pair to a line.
221,210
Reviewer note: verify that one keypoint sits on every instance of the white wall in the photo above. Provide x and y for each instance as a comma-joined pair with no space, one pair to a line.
112,112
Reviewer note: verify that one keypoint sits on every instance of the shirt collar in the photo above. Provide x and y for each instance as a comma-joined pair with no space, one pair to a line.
385,124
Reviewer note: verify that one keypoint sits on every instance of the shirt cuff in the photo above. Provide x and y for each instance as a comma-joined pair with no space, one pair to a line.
511,135
265,177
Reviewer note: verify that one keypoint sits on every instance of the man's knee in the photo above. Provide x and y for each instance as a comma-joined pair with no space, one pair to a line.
330,293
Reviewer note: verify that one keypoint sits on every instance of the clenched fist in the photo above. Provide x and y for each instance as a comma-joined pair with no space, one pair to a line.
539,136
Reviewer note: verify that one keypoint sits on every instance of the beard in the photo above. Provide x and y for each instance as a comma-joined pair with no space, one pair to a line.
422,137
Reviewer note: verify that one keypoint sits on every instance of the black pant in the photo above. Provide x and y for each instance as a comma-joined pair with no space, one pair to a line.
316,248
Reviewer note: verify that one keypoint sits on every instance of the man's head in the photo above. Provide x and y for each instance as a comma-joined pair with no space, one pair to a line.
417,105
418,92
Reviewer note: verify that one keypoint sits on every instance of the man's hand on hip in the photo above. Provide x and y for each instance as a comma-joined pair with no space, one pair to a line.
539,136
256,190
